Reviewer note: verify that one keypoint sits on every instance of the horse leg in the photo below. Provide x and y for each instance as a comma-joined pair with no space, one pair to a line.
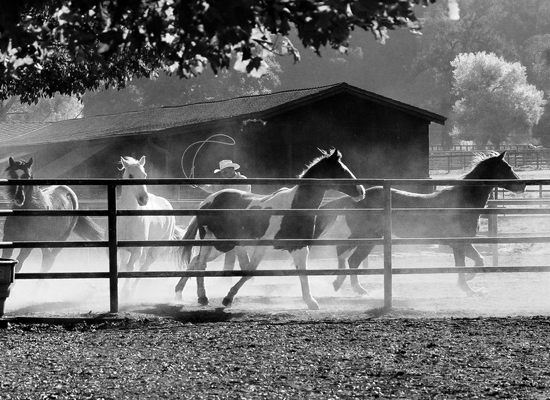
460,261
354,262
48,258
229,262
342,253
300,260
23,254
150,257
471,252
135,256
252,265
198,263
183,281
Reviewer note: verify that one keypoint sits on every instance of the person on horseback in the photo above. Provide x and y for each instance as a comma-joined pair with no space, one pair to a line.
228,169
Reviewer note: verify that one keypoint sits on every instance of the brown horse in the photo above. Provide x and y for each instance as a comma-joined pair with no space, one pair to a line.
233,225
410,225
38,228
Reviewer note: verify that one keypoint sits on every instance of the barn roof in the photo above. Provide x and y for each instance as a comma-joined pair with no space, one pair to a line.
190,115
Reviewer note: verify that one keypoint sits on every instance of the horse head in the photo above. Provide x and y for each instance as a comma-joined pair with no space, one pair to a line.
494,166
330,166
133,169
19,170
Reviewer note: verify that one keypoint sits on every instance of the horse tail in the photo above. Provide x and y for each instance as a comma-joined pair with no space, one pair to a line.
86,228
190,233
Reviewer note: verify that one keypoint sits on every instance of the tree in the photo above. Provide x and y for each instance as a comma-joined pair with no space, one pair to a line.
56,108
495,101
537,53
498,26
167,90
68,47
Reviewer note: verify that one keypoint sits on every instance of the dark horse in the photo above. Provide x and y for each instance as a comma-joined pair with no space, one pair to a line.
233,225
47,228
370,225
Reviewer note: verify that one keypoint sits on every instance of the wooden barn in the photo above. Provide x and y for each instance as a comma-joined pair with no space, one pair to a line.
269,135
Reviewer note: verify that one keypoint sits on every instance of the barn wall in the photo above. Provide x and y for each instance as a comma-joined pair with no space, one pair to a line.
376,141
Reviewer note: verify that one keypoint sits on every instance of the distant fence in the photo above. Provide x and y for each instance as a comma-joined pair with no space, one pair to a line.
475,147
457,160
110,212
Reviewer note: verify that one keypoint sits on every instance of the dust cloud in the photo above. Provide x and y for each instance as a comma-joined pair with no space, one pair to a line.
434,295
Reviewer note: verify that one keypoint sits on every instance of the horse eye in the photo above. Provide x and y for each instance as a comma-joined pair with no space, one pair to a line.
130,176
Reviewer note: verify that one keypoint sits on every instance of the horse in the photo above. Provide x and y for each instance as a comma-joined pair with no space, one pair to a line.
38,228
371,225
142,227
230,225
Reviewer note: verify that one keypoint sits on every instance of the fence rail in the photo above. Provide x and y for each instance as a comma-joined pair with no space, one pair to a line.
455,160
111,213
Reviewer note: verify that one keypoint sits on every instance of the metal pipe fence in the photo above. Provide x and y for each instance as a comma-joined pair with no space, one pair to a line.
387,241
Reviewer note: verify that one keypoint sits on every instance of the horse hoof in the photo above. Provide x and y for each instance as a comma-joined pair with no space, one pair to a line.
313,305
361,291
203,301
482,292
227,302
336,285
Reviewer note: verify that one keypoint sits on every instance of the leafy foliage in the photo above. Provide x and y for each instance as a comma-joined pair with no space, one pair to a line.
495,100
68,47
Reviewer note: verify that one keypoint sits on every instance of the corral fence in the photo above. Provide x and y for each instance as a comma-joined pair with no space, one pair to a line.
387,241
456,160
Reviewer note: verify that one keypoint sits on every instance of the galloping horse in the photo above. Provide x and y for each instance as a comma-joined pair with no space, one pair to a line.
142,227
370,225
47,228
244,226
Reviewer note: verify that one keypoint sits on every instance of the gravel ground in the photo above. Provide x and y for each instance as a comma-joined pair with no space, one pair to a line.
212,354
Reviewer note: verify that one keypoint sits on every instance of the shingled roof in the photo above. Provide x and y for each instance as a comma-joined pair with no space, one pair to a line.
159,119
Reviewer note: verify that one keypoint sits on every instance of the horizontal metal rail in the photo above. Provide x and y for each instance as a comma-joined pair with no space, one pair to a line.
282,272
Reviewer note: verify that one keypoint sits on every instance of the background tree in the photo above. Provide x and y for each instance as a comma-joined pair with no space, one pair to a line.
167,90
537,54
495,102
68,47
498,26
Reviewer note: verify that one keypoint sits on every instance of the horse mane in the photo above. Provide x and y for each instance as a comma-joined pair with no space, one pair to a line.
477,160
129,160
324,154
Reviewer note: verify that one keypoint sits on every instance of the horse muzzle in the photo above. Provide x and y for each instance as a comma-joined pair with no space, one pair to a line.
143,200
516,187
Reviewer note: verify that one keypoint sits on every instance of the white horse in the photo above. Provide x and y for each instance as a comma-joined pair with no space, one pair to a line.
141,227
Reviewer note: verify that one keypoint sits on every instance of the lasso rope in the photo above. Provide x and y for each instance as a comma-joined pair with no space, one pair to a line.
202,143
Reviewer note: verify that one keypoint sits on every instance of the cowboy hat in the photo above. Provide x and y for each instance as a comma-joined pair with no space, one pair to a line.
227,164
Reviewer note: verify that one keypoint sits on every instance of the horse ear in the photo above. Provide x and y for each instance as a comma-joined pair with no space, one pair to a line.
142,161
29,163
11,161
123,162
501,155
336,153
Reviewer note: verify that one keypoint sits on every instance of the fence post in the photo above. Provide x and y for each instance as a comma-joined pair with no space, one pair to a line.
113,268
388,296
493,232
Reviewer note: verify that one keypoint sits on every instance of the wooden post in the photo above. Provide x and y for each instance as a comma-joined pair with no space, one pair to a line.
388,296
113,267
